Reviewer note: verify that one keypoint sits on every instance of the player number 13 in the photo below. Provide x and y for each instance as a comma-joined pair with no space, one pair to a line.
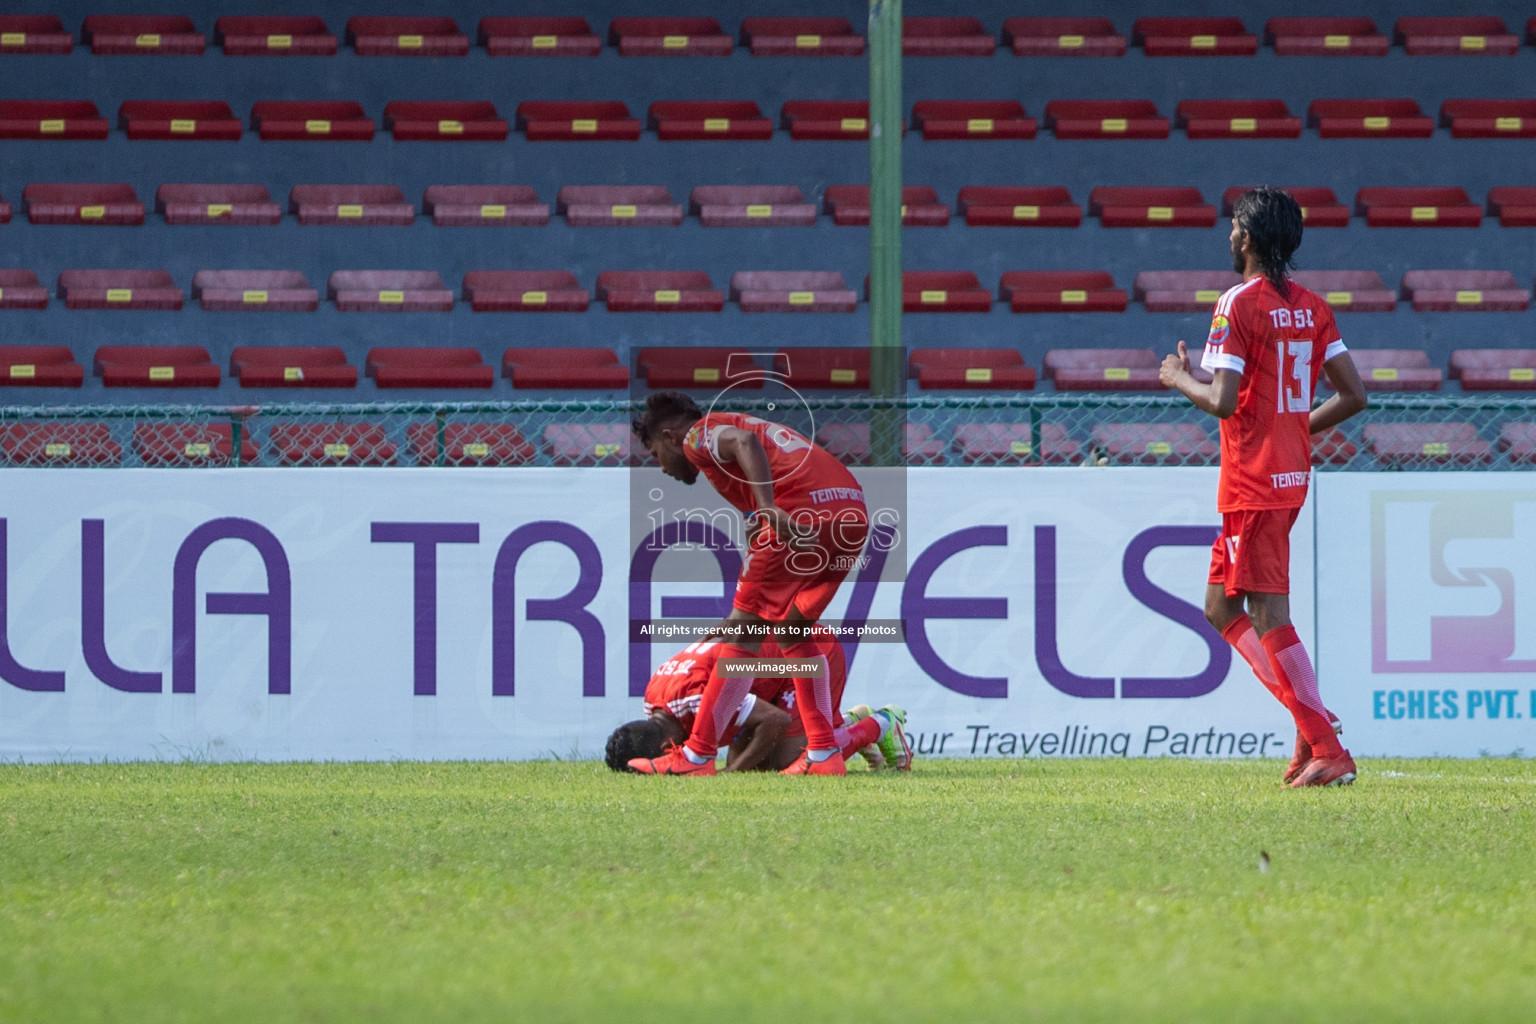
1293,367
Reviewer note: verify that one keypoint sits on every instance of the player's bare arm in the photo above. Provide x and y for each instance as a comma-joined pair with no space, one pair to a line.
760,733
1219,397
745,449
1348,398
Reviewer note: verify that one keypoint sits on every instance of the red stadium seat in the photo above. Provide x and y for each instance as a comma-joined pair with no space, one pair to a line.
422,366
1194,37
155,366
477,206
698,366
274,36
941,291
285,366
350,204
178,119
1369,119
1181,291
971,369
1237,119
1103,369
564,367
792,291
5,211
826,119
1418,208
539,37
1155,444
311,121
1349,291
20,289
59,443
1414,445
1320,208
1014,444
1021,206
1464,291
389,291
49,203
618,206
444,121
1518,441
972,119
254,291
1325,37
591,444
406,37
469,444
1063,37
801,37
333,444
708,119
945,37
1515,205
669,37
1461,35
1494,369
920,206
39,366
1333,448
576,121
524,291
1394,369
658,291
34,33
1061,291
217,204
750,206
826,367
1120,207
142,34
1511,118
1105,119
190,444
849,443
51,119
119,289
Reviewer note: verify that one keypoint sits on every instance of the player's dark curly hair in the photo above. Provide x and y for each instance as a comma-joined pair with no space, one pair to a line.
642,738
662,408
1272,219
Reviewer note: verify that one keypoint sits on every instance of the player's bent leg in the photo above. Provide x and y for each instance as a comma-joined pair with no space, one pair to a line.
894,745
873,757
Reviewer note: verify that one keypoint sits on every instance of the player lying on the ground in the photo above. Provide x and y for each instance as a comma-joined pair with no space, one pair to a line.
1270,338
767,733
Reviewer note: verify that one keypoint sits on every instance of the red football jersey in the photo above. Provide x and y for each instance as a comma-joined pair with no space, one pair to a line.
805,475
1279,344
678,683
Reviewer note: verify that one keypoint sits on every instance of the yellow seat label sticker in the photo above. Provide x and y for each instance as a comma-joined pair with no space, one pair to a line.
1117,373
802,298
1384,373
1469,298
392,297
1073,297
674,42
349,211
584,126
198,449
183,125
545,42
148,39
855,124
27,371
119,294
933,298
92,212
1339,298
842,376
52,126
1070,42
535,298
807,42
979,125
1377,124
978,374
1202,42
1207,295
706,375
317,127
1160,213
219,209
492,211
162,373
1244,124
1026,213
1113,124
279,42
450,127
1424,213
337,450
760,210
409,42
717,124
623,211
667,296
254,297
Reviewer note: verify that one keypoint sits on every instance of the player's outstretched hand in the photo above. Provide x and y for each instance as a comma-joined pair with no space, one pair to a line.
1174,366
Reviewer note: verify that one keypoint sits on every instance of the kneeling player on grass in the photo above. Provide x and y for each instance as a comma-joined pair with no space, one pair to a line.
1269,340
808,525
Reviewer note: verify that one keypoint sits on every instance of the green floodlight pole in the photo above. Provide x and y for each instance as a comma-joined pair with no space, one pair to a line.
885,378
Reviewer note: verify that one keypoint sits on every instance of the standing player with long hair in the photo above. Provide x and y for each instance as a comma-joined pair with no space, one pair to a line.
1270,339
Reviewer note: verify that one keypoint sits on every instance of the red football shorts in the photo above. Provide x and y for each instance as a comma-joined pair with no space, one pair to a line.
1253,553
776,577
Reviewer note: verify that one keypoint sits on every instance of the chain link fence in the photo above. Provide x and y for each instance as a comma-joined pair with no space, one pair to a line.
1398,432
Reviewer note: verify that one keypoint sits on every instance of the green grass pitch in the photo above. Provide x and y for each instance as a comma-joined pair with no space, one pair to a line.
1088,890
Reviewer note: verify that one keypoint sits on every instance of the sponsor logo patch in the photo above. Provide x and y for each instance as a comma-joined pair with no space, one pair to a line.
1220,328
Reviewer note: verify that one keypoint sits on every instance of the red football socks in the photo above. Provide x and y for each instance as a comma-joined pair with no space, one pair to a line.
1298,684
1245,640
860,735
813,698
719,703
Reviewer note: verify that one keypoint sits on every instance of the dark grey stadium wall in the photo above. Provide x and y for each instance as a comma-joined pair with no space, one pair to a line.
1345,165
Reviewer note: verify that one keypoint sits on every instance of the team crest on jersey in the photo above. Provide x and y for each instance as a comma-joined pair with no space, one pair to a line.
1220,328
695,436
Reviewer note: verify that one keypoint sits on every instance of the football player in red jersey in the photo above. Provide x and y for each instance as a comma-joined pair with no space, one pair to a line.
808,525
1270,339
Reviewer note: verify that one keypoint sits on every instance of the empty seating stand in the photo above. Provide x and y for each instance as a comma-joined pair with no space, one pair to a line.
178,119
389,291
1237,119
1194,37
946,37
190,444
295,366
820,367
476,206
826,119
39,366
1320,208
920,206
698,366
1494,369
972,119
1395,369
539,37
1369,119
850,443
658,291
155,366
941,291
1418,208
564,367
333,444
1120,207
1020,206
1063,37
1416,445
801,37
1515,206
469,444
669,37
311,120
709,119
1455,36
1349,291
59,443
49,203
970,369
1333,448
20,289
217,204
1154,444
51,119
1181,291
350,204
1103,369
254,291
792,291
618,206
34,33
742,206
576,121
406,37
524,291
420,366
1511,118
1061,291
119,289
274,36
444,121
1105,119
1465,291
589,444
1518,442
1325,37
1014,444
142,34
